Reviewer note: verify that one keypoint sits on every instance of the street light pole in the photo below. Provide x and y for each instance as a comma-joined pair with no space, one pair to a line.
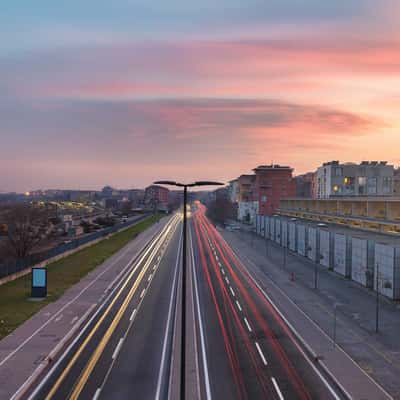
377,300
184,245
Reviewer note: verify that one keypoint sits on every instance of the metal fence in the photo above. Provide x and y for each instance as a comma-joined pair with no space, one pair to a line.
15,266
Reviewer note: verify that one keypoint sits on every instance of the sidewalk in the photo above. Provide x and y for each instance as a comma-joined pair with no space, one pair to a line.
311,312
32,344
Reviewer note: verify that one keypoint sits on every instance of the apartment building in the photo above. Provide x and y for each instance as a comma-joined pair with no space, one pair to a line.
369,178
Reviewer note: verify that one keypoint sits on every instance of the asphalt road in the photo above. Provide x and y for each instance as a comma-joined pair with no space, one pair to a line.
238,347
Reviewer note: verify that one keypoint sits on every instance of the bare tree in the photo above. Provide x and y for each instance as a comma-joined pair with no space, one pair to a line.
27,226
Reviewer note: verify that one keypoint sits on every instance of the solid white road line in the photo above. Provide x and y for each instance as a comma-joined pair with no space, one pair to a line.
149,278
261,354
233,293
73,320
97,394
132,315
277,388
247,324
202,340
143,292
169,319
238,306
117,349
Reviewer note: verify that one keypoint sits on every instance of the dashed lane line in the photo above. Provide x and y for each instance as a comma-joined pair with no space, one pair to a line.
277,388
263,359
247,325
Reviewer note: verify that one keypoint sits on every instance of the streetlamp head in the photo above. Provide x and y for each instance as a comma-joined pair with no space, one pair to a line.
198,183
165,183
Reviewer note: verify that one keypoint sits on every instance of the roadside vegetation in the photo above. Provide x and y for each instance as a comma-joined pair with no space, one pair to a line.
15,306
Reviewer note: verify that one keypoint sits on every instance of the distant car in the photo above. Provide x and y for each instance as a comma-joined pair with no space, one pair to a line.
124,218
321,225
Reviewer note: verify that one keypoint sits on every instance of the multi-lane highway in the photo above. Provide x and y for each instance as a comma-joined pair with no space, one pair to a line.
238,347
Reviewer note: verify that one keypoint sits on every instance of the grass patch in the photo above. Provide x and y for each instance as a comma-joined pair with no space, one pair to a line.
15,308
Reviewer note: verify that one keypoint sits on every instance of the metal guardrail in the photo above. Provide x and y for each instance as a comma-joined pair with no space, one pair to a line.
15,266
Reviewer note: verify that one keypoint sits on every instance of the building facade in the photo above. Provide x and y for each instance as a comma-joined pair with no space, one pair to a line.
156,198
246,199
272,183
334,179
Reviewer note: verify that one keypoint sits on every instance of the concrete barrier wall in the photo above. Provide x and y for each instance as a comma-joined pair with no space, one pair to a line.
362,261
326,248
278,232
312,244
301,239
342,258
387,270
292,236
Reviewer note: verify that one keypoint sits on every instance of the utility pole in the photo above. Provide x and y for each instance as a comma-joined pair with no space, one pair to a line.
184,244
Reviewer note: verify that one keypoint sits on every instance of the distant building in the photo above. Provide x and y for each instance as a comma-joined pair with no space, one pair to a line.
305,185
233,190
247,201
272,183
156,198
373,178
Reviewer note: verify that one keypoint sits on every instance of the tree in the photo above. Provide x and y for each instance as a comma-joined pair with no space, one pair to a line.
27,226
220,210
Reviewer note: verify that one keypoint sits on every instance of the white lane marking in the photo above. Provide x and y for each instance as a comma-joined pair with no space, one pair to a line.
169,318
227,280
200,320
117,349
219,264
132,315
238,306
58,318
73,320
233,293
216,257
149,278
158,258
277,388
97,394
261,354
248,325
154,268
299,337
223,271
142,294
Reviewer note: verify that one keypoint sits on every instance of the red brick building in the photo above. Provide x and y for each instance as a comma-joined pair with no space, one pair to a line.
156,197
272,183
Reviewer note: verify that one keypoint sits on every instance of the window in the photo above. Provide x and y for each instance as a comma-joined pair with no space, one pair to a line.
372,186
338,171
362,182
387,184
263,198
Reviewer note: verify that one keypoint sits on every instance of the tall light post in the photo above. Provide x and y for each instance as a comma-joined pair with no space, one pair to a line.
183,317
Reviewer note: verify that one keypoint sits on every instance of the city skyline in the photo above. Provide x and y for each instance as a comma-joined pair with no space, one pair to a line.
93,94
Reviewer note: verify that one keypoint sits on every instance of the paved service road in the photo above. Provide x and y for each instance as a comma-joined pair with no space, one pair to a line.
238,347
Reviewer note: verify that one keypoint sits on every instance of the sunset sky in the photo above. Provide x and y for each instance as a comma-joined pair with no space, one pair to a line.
129,91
